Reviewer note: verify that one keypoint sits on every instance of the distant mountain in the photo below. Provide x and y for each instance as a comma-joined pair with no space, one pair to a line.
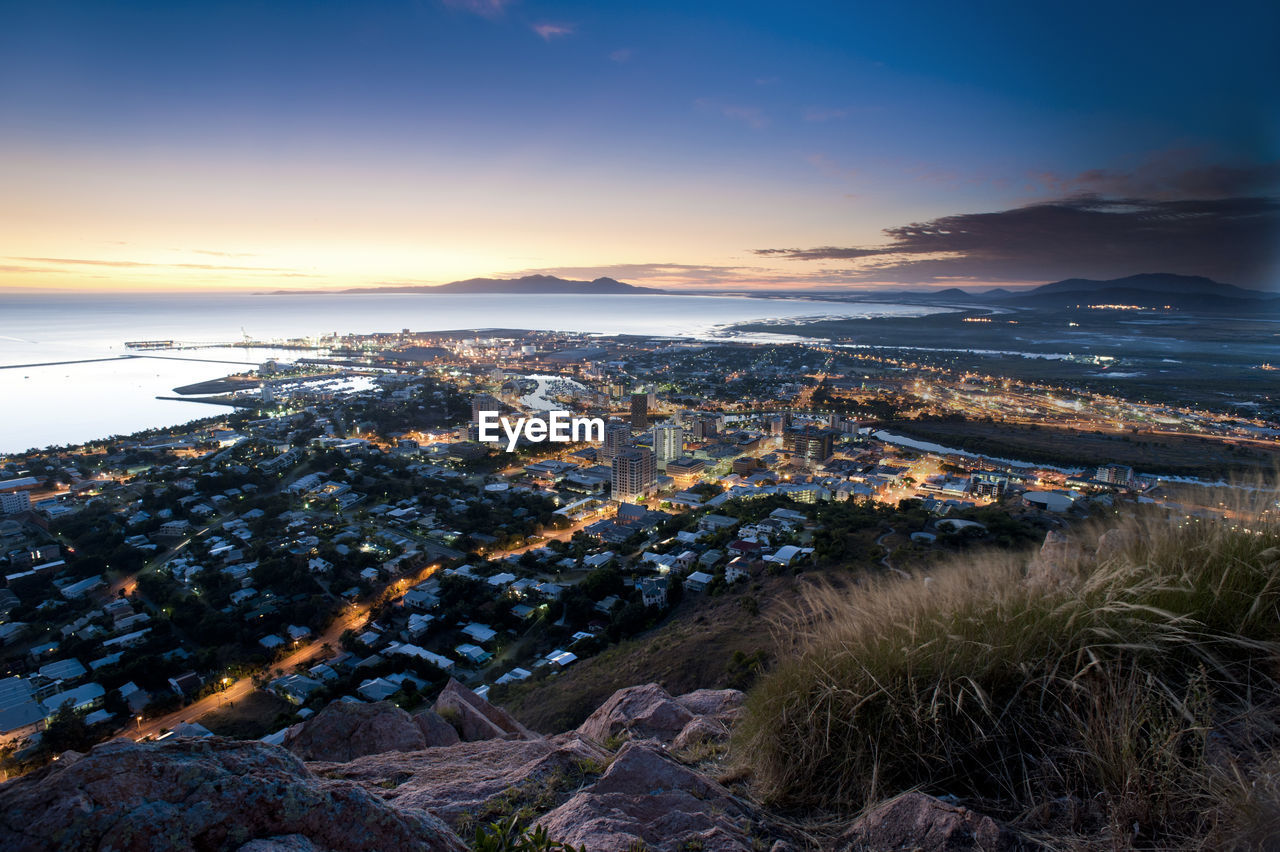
540,285
1160,282
1153,289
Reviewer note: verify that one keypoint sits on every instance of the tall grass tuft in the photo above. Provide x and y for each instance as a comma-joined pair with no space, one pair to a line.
1133,688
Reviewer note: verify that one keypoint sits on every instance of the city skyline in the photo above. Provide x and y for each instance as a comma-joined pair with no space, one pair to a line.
186,147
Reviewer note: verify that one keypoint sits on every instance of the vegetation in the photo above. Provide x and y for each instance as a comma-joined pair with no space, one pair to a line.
507,836
1132,690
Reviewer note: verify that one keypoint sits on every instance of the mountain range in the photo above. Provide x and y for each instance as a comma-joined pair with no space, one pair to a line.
1148,290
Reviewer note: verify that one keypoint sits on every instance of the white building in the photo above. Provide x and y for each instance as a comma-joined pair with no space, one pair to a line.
668,443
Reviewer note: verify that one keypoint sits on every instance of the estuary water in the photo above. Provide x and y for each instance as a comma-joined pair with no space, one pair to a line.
63,403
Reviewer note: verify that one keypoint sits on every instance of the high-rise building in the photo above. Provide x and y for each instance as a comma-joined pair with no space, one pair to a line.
639,410
633,474
668,443
617,437
484,402
703,425
809,444
481,402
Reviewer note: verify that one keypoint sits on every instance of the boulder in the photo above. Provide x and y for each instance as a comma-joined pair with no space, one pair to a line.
925,824
207,793
477,719
1112,544
642,712
345,730
435,730
451,781
701,729
1056,565
723,705
647,799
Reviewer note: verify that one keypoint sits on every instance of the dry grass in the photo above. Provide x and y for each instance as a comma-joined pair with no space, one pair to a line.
1143,689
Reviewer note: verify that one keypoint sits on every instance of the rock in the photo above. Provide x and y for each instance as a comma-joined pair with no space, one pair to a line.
643,712
646,798
345,730
288,843
1111,544
477,719
435,730
922,823
1055,566
205,793
701,729
723,705
460,779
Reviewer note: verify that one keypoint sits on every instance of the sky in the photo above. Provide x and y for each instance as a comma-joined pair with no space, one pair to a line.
727,145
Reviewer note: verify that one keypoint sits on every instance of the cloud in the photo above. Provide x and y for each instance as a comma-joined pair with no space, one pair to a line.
622,54
1169,174
751,116
552,31
137,264
212,253
1229,239
484,8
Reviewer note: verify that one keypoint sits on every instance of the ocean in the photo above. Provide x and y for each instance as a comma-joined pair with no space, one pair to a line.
66,403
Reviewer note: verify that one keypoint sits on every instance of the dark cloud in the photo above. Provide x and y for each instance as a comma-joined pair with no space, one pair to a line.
1170,174
1231,239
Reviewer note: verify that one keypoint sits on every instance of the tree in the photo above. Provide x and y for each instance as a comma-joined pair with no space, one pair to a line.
66,731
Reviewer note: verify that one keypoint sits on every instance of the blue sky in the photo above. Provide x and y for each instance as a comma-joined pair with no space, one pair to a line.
715,144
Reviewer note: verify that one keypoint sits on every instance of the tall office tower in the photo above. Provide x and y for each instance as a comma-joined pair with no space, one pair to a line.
633,474
653,397
809,444
703,425
777,424
481,402
617,437
668,443
484,402
639,410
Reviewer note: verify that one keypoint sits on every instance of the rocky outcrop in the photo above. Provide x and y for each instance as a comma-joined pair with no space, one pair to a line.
382,779
1057,564
723,705
701,729
464,778
435,730
925,824
346,730
477,719
646,798
206,793
639,712
1112,544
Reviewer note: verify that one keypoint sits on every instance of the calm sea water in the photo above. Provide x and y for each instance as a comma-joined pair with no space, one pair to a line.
70,403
